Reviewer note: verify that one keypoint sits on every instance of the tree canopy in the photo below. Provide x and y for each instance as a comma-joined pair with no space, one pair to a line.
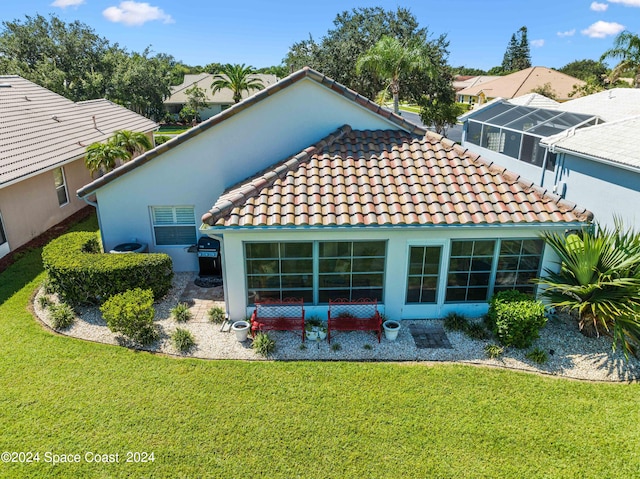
237,78
626,49
73,61
354,33
518,54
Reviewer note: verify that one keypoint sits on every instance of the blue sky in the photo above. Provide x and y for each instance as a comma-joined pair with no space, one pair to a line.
259,33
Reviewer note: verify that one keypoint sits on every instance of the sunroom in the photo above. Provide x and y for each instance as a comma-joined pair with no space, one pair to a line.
422,227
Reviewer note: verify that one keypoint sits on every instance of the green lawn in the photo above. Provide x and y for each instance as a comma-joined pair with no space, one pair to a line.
233,419
172,130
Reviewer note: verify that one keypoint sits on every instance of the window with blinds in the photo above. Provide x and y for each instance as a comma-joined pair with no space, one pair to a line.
174,225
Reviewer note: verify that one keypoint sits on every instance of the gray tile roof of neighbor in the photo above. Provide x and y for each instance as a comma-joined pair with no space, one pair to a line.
610,105
40,129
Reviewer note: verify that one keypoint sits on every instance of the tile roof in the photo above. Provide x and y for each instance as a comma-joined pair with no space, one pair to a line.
616,142
524,81
304,73
204,80
387,178
40,129
534,100
610,105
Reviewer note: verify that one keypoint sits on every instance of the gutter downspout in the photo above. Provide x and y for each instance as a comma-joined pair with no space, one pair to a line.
95,205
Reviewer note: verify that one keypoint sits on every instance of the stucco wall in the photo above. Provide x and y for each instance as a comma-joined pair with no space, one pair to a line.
603,189
30,207
199,170
398,242
526,170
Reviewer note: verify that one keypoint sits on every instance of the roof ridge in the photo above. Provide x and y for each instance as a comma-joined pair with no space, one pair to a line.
301,74
252,186
532,69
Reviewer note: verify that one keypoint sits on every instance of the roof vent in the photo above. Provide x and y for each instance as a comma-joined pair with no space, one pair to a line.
55,118
26,98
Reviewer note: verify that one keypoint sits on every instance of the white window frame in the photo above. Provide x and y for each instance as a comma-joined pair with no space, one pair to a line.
62,187
173,208
4,244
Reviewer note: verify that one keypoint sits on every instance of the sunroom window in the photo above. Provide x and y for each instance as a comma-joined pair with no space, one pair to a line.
351,270
470,266
518,264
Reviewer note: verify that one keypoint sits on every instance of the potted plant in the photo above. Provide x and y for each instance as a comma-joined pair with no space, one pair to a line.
391,329
241,328
315,329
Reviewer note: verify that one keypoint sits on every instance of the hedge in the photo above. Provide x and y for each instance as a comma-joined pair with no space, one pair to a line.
81,274
516,318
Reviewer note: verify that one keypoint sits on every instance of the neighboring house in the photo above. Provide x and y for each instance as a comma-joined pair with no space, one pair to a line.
543,144
520,83
43,137
599,167
462,83
219,101
316,192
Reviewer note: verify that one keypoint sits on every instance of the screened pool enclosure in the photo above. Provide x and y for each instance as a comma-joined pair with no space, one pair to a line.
516,131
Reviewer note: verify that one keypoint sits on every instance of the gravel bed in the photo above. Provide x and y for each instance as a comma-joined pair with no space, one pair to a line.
570,353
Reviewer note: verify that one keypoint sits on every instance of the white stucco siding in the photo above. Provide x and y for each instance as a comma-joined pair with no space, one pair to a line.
396,270
197,171
607,191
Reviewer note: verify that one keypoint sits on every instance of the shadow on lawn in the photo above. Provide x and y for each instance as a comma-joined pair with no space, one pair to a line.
22,266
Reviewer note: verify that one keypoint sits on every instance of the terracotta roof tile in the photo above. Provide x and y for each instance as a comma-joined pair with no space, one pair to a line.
357,178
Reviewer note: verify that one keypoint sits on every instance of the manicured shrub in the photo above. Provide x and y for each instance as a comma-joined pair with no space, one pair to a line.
183,340
455,322
217,314
62,316
81,274
181,313
517,318
263,344
538,356
131,313
336,347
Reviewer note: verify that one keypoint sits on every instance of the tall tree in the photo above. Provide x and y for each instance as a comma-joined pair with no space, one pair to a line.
237,78
103,157
133,142
355,32
626,49
389,58
518,54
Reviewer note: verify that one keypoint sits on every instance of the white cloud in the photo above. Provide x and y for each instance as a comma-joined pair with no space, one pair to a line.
568,33
599,7
67,3
628,3
537,43
603,29
135,13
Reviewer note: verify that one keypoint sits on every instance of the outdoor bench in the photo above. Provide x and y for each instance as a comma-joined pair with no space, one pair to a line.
278,315
358,315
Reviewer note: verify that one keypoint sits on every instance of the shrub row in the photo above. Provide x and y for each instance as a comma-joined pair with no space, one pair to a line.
515,318
81,274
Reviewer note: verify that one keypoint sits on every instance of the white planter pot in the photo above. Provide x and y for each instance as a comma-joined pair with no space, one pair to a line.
322,335
391,329
311,335
241,328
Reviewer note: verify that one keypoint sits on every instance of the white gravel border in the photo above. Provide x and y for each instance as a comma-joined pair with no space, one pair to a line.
574,355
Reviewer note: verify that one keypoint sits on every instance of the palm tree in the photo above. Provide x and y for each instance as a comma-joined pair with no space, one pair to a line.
626,47
133,142
389,58
599,279
237,78
103,156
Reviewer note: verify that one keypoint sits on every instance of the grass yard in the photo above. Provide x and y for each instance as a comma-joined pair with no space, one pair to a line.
233,419
172,130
